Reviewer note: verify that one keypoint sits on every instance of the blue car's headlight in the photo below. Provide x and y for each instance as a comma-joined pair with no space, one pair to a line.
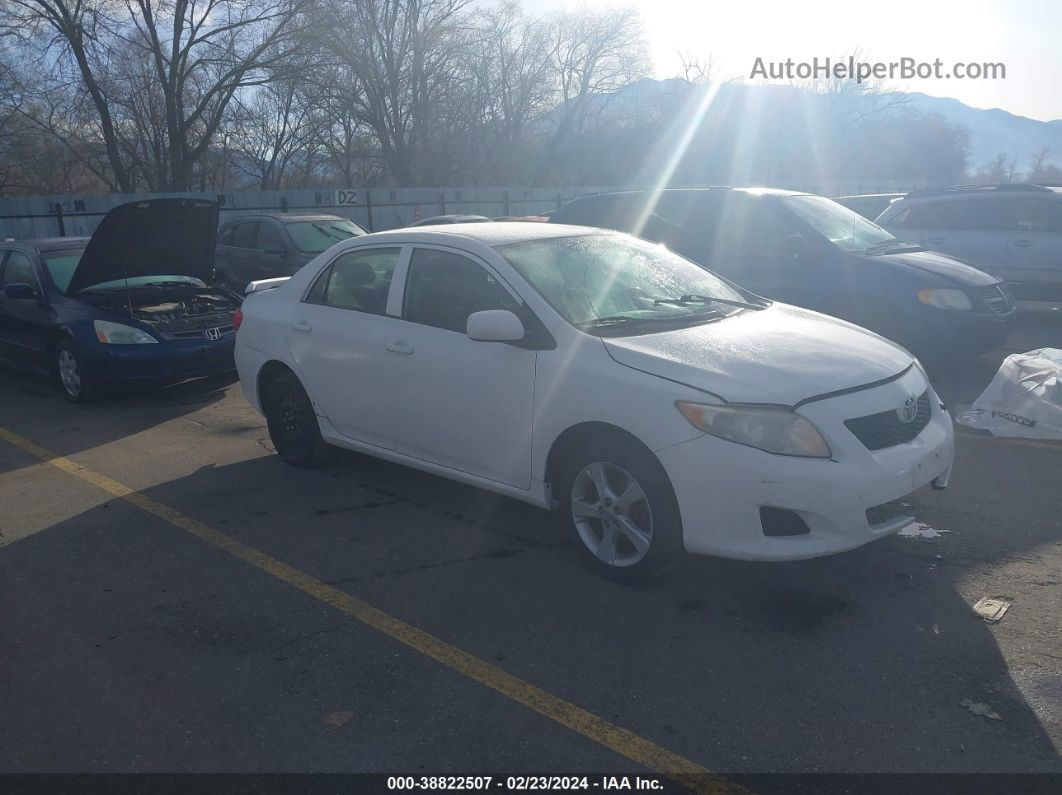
119,334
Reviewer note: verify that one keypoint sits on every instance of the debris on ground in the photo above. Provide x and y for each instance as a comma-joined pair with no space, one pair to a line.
1024,400
977,708
339,718
921,530
991,610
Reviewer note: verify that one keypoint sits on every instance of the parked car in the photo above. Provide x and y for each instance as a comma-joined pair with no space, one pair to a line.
1012,231
438,220
132,303
869,205
254,247
657,405
810,251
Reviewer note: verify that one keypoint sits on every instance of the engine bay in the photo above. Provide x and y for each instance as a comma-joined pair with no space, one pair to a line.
194,306
172,309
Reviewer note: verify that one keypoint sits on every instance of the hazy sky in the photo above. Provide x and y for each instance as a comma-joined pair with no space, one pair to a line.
1025,35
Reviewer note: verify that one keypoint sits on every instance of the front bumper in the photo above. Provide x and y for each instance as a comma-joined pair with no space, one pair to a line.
170,360
947,333
721,486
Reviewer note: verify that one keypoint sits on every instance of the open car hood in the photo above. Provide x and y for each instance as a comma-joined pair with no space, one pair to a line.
154,237
781,355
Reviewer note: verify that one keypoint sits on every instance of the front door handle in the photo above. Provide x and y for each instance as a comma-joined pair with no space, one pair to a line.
1022,243
400,346
935,240
302,325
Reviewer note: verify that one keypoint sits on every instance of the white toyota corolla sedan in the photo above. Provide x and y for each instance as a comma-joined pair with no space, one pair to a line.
657,406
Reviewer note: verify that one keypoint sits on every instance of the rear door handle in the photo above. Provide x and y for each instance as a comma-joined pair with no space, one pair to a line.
400,346
302,325
935,239
1022,243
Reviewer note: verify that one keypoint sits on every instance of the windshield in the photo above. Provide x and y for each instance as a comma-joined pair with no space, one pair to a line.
591,278
842,227
313,237
61,265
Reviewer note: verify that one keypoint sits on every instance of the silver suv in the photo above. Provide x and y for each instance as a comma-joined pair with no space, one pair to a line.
1011,231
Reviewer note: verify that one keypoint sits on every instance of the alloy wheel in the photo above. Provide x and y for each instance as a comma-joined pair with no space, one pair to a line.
612,514
69,374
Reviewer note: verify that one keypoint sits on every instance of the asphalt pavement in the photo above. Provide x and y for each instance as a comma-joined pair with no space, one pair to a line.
175,599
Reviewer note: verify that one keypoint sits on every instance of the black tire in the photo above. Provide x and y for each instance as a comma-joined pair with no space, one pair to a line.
72,373
661,506
292,422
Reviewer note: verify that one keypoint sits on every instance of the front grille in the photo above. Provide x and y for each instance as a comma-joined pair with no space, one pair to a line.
998,297
886,429
199,333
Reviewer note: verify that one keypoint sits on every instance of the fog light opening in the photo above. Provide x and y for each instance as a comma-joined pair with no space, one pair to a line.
778,522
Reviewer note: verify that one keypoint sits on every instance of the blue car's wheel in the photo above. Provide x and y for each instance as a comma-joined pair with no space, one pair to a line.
71,372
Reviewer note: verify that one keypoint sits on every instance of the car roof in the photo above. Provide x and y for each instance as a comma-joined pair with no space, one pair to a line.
1018,190
493,234
707,190
289,217
450,219
51,243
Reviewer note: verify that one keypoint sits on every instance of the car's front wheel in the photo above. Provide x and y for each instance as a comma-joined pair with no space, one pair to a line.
72,373
292,423
621,510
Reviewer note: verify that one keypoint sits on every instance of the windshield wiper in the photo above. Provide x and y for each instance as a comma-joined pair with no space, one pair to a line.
325,230
624,320
709,299
890,244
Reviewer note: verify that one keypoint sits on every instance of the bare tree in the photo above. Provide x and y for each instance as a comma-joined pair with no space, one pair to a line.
591,54
399,59
696,69
170,66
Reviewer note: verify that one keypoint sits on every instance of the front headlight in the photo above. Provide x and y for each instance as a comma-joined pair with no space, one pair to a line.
778,431
945,299
120,334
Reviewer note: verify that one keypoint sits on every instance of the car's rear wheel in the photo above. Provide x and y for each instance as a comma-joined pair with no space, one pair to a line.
621,510
292,422
73,375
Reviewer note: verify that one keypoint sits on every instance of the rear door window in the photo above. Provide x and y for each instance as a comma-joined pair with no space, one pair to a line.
971,214
269,238
358,280
1037,215
245,235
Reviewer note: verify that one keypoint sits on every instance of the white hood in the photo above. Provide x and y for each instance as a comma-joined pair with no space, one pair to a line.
780,355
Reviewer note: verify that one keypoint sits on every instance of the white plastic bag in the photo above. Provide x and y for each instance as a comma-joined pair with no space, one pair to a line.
1024,399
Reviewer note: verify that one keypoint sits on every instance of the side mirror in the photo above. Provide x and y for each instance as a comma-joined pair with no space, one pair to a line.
20,291
495,325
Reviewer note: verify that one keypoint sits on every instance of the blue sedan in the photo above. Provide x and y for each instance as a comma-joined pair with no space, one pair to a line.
133,303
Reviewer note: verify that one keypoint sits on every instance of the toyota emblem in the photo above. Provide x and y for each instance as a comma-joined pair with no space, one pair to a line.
909,410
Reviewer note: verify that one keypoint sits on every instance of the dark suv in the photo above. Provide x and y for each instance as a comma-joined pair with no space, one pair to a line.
810,251
254,247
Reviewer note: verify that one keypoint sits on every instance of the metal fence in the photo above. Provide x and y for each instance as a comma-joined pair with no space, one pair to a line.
25,217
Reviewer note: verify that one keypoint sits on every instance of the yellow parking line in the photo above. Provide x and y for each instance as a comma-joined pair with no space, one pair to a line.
620,740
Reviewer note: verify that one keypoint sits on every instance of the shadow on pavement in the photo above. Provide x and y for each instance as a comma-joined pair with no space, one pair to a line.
857,662
35,407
